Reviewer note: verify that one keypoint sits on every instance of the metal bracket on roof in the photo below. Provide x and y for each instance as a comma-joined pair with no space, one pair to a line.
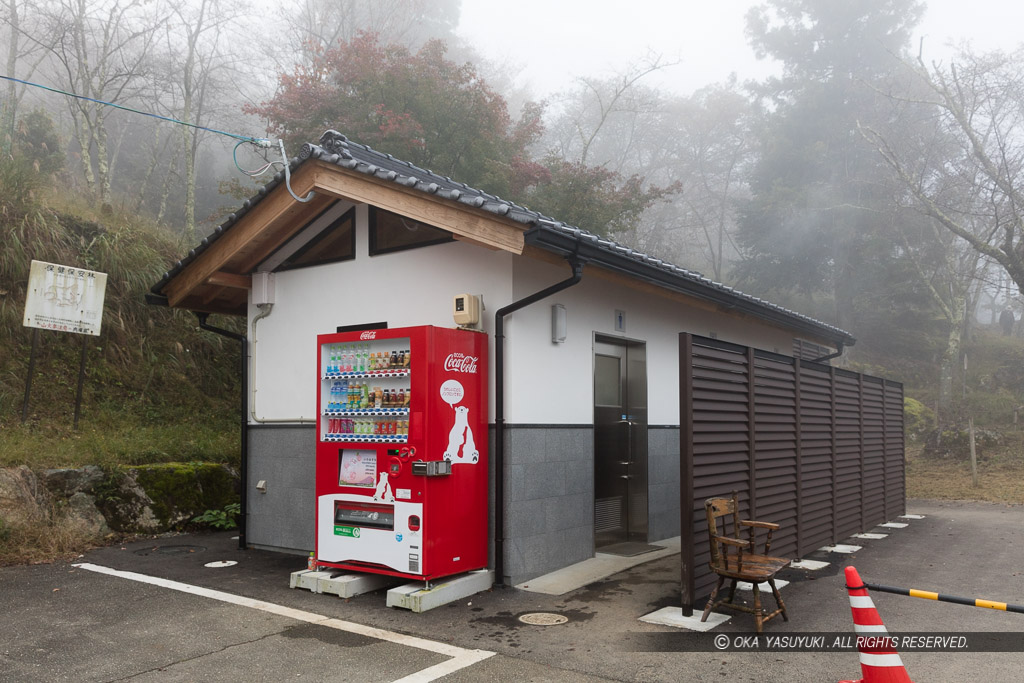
335,142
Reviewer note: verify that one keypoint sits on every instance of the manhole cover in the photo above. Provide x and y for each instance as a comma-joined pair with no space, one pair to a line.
170,550
220,563
543,619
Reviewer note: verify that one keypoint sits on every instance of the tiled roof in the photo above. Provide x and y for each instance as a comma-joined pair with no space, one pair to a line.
545,232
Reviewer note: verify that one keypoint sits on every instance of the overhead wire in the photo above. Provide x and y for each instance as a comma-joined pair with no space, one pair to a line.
260,143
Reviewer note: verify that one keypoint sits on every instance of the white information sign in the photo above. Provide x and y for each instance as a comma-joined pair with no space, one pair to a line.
64,298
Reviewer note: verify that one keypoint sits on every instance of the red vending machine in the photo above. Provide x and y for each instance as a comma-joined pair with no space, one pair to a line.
401,453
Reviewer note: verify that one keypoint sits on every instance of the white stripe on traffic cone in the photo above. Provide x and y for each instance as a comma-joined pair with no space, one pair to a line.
879,661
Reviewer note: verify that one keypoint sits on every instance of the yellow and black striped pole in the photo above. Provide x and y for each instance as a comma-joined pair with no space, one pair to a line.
928,595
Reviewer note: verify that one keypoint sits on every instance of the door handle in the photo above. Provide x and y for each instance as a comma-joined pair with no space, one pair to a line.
625,476
625,462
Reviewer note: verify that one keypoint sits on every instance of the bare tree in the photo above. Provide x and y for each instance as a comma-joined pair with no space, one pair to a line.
318,24
710,148
204,72
26,49
974,186
101,52
603,121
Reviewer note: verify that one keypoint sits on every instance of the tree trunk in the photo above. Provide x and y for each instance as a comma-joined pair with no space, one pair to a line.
11,101
951,355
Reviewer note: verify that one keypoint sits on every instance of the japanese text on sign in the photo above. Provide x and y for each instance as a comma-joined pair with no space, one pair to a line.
64,298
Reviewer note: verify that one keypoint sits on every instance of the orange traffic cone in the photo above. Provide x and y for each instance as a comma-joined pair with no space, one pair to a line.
879,661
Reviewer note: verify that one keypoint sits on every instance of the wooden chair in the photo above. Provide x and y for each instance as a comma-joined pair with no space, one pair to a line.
735,558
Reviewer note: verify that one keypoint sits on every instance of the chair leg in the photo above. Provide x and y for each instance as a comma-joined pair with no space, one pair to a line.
732,592
778,599
711,600
758,616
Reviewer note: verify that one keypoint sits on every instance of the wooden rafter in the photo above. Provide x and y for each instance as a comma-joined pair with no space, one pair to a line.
279,206
476,225
224,279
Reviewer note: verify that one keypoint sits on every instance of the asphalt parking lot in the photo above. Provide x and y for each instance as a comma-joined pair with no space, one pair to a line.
152,611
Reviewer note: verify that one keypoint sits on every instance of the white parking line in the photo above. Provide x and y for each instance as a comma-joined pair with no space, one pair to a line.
460,656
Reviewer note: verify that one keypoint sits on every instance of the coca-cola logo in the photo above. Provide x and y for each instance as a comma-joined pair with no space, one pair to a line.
460,362
369,334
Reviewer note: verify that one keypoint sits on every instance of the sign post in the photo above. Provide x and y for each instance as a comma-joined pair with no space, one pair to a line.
63,299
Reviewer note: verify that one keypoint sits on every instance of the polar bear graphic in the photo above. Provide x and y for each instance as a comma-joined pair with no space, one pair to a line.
383,491
461,435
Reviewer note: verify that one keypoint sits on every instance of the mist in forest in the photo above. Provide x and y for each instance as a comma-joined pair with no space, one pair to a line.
850,174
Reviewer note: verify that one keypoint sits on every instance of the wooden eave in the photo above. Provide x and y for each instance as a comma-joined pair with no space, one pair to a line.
218,280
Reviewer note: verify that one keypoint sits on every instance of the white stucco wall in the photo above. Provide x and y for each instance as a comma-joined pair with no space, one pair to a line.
546,383
550,383
413,287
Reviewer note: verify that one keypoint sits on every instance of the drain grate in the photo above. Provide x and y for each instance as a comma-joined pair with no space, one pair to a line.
543,619
170,550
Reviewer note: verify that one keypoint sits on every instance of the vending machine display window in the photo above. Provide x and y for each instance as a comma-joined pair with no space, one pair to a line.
357,468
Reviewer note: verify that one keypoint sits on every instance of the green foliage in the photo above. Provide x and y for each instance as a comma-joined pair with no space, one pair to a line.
956,443
593,197
156,389
37,142
918,419
19,182
182,488
220,519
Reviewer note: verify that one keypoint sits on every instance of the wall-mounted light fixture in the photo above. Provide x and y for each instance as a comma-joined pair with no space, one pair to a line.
558,324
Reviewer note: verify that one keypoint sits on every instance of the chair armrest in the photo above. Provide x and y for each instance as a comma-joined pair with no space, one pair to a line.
728,540
761,525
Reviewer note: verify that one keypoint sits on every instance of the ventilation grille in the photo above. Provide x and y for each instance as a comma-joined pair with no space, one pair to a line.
608,513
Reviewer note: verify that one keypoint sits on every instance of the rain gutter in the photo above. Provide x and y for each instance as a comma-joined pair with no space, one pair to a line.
499,406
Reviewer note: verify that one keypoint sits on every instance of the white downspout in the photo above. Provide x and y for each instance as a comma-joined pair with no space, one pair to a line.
265,310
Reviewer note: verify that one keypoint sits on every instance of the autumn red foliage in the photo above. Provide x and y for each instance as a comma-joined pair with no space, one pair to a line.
442,116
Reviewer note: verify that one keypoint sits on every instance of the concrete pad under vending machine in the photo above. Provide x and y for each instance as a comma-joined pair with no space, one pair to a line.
417,598
307,579
351,585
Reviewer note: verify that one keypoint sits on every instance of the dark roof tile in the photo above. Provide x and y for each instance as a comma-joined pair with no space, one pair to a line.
337,149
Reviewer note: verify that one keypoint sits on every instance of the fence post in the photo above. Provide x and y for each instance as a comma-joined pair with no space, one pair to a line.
751,436
686,555
798,427
885,451
835,463
860,447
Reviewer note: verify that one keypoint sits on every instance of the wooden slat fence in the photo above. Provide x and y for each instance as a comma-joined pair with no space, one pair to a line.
814,448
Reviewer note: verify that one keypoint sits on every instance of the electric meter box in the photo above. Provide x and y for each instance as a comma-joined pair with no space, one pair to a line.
466,309
401,451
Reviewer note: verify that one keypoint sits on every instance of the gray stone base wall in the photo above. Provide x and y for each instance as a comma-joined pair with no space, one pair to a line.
663,478
549,493
283,518
549,515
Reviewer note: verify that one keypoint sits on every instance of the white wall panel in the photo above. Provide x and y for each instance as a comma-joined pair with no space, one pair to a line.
412,287
545,383
550,383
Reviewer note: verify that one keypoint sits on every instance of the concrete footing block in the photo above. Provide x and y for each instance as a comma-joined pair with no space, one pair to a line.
351,585
673,616
417,598
342,585
307,579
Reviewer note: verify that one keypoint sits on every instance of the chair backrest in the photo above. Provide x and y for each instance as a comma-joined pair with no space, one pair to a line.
716,508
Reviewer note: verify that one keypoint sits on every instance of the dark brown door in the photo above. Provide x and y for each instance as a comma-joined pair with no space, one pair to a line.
620,441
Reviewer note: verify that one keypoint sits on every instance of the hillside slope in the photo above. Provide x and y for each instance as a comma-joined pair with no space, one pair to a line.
157,387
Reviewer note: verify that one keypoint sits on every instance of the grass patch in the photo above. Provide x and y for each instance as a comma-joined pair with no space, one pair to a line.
119,443
1000,477
43,541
